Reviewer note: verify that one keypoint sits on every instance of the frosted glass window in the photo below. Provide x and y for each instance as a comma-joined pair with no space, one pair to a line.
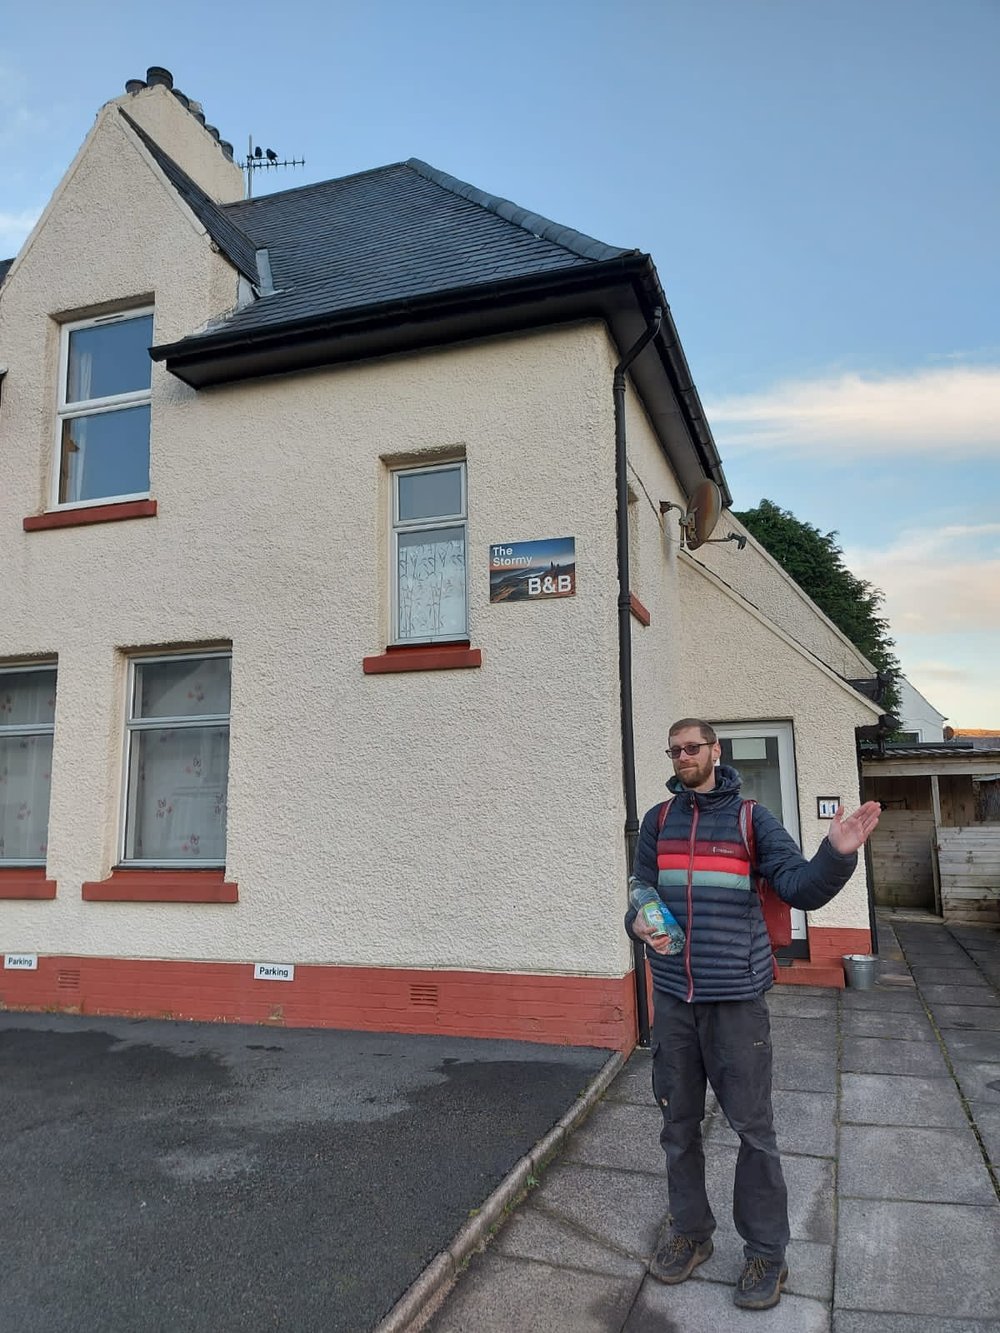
27,721
178,761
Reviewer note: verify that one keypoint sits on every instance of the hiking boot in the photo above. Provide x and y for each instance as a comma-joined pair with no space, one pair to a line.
760,1283
677,1259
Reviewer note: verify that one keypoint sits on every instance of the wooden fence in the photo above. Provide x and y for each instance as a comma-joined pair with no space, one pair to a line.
969,859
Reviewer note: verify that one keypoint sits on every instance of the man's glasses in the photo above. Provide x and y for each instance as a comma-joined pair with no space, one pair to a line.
692,748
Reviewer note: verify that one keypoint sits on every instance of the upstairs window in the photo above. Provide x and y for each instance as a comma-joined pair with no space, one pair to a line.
429,511
177,765
104,402
27,721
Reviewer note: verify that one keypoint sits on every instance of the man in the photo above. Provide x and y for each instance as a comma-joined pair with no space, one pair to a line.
711,1018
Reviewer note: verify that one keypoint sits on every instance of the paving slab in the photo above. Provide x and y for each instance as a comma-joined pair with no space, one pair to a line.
892,1099
919,1258
983,1047
987,1119
979,1082
623,1210
864,1321
707,1307
928,1165
531,1233
803,1121
876,1023
967,1016
800,1002
619,1135
883,997
804,1071
882,1055
969,975
635,1082
978,995
506,1295
805,1034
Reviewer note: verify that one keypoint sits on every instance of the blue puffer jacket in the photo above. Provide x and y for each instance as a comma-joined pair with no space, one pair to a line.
699,865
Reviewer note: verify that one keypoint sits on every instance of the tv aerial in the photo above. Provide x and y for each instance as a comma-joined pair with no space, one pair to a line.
698,520
262,159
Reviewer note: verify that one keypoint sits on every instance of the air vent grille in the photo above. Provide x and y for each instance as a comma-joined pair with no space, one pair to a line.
424,997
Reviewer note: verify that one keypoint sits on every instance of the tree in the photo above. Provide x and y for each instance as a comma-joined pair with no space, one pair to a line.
816,563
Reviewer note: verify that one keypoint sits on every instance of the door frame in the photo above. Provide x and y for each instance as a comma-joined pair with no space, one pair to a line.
783,731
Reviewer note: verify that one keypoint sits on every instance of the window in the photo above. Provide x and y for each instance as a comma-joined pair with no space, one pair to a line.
429,601
27,721
104,403
177,761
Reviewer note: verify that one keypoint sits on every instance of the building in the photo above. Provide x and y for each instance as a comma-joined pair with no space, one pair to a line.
278,745
918,720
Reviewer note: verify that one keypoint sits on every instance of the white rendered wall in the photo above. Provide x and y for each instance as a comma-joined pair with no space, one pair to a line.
758,577
750,673
916,714
446,819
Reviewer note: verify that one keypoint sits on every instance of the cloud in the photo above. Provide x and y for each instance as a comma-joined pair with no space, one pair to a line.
850,416
14,228
937,580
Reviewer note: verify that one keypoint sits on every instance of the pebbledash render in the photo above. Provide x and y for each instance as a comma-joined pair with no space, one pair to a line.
268,751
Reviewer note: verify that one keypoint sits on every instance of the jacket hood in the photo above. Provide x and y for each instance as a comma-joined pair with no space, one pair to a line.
727,785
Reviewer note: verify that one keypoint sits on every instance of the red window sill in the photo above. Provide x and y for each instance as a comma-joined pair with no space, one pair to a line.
424,657
637,609
25,882
162,886
75,518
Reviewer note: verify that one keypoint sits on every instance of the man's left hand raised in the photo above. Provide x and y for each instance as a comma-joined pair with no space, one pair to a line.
849,832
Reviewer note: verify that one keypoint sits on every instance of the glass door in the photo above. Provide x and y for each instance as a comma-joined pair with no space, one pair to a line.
764,756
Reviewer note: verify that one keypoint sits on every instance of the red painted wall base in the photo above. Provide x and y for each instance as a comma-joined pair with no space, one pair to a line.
823,967
564,1011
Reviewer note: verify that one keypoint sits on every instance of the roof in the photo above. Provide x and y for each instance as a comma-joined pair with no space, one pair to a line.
5,268
405,256
976,731
930,750
392,234
234,244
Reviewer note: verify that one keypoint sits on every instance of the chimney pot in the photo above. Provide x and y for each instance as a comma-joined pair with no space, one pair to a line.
184,101
135,86
157,74
227,148
214,133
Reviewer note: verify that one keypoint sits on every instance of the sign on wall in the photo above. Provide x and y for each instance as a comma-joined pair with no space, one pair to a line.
827,806
531,571
20,962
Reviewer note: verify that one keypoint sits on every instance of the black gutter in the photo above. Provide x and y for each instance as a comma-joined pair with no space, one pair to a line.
625,654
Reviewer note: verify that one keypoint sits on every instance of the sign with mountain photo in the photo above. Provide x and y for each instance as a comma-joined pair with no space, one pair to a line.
532,571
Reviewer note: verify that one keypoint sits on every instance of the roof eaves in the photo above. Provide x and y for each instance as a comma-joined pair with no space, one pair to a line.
584,247
231,240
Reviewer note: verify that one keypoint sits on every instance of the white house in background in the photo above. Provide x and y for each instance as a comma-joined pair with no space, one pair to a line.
919,720
325,556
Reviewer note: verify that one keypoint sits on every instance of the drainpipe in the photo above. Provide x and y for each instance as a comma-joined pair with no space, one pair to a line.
625,653
869,866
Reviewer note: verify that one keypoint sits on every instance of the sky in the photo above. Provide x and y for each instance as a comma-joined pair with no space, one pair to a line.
816,180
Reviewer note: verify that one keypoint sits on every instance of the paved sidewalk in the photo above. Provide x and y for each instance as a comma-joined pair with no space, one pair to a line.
888,1113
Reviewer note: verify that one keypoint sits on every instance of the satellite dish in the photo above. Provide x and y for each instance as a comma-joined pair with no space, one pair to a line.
703,511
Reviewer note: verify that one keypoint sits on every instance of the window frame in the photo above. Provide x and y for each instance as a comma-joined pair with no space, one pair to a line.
29,729
398,525
134,725
92,407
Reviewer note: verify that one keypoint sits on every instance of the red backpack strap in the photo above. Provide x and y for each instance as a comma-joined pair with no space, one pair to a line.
661,818
747,832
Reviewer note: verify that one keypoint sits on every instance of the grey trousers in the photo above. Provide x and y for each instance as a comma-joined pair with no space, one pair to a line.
729,1044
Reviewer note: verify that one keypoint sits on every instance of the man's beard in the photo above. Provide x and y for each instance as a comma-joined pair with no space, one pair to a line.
695,776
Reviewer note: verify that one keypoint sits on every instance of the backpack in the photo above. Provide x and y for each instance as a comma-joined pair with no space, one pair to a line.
776,912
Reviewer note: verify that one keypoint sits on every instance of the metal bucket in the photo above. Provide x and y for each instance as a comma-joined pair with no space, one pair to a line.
859,969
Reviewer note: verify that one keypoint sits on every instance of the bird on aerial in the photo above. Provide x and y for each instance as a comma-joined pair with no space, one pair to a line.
272,156
257,152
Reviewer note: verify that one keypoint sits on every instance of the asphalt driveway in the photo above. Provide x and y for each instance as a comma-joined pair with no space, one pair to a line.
171,1177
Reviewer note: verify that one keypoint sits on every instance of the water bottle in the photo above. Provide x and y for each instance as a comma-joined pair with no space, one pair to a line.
653,910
